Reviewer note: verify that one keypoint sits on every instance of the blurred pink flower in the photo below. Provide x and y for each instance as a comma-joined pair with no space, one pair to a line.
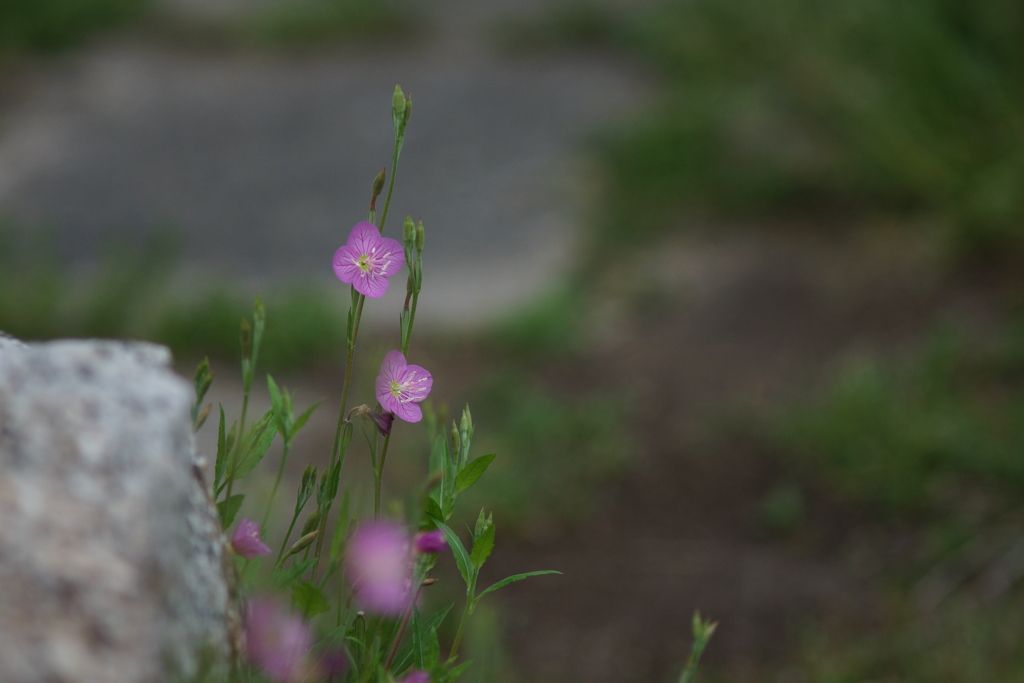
278,642
367,260
430,542
401,386
379,563
246,541
417,677
333,665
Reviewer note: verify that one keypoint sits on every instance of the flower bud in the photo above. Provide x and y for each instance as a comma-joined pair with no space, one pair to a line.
430,542
408,110
378,183
419,236
398,102
302,543
409,230
311,522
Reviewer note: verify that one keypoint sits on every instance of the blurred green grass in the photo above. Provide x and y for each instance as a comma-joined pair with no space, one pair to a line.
838,110
897,435
28,26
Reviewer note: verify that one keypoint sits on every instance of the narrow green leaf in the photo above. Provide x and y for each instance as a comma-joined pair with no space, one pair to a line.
222,452
513,579
431,510
286,578
462,560
482,547
404,658
457,671
472,472
309,599
300,422
260,441
229,508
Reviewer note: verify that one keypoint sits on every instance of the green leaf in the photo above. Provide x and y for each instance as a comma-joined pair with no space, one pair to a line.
462,560
404,658
300,422
437,455
309,599
513,579
286,578
426,650
472,472
457,671
229,508
280,414
222,452
482,547
260,438
431,510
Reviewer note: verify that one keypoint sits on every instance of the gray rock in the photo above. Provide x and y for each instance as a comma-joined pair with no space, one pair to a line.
110,548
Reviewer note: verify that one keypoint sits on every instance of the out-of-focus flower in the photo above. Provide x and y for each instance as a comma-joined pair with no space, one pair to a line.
401,386
417,677
430,542
333,665
246,541
278,642
379,564
367,260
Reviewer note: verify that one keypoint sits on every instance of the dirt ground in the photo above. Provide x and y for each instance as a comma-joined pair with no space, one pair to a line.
734,326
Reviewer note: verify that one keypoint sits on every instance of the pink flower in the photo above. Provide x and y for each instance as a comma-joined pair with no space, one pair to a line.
430,542
367,260
380,566
417,677
246,541
278,642
401,386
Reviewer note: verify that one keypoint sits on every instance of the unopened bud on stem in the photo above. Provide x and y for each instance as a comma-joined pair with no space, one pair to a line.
302,543
420,235
398,102
409,230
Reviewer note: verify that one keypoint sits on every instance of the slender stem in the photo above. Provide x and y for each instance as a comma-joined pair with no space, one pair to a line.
412,319
277,482
284,543
379,477
336,449
391,183
239,437
468,610
401,631
348,379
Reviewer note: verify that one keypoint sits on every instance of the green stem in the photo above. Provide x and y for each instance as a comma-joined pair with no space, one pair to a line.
401,631
391,183
466,612
277,482
379,477
284,544
233,465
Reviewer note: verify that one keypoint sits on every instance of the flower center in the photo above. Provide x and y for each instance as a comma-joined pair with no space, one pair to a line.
364,264
396,389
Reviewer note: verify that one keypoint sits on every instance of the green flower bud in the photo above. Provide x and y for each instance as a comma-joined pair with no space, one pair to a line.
302,543
378,183
311,522
409,230
408,110
398,101
419,236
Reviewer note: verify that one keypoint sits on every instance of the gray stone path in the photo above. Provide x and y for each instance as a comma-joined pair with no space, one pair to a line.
264,162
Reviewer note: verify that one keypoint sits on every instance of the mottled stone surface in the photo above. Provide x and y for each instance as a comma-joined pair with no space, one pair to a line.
110,550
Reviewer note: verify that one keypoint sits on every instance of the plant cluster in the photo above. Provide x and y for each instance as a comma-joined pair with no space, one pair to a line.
348,609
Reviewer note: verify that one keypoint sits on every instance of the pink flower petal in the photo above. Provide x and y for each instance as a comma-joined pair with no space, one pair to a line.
364,237
246,541
379,565
410,412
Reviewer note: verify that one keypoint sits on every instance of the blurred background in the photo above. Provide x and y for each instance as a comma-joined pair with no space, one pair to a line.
734,288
